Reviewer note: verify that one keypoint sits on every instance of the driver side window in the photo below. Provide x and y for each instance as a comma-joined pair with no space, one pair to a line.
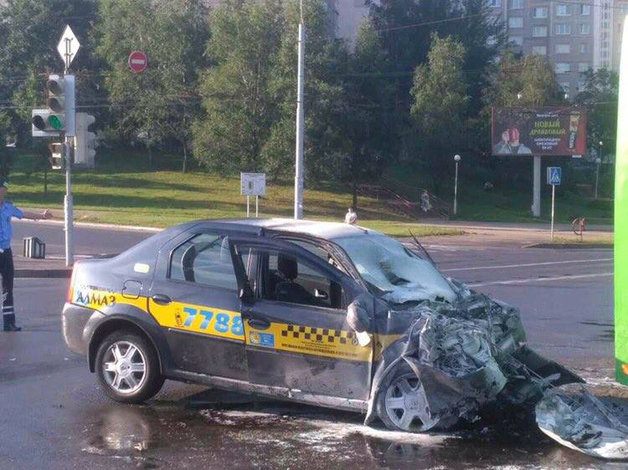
283,277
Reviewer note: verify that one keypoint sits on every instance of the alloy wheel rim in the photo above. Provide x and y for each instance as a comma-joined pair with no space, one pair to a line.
405,402
124,367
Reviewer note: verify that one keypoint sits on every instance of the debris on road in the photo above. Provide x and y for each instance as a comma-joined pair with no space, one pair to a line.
580,421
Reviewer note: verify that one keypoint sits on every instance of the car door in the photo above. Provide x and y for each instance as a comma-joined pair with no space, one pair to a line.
194,297
295,322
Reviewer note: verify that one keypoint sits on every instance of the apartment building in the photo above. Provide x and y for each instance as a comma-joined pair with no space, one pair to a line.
575,36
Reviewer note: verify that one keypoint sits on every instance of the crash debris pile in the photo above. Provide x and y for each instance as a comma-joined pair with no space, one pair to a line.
582,422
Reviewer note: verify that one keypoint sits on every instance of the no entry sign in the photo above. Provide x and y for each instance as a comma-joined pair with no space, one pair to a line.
138,61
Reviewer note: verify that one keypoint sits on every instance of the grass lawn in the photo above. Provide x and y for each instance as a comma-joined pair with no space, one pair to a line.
162,198
509,205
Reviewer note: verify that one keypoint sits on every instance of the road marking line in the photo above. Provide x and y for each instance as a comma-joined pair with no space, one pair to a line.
550,263
537,279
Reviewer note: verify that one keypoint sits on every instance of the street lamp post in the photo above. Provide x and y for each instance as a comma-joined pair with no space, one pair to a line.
598,162
457,160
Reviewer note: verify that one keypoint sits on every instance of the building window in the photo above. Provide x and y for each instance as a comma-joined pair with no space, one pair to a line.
539,50
585,10
565,86
517,40
495,3
540,12
563,49
562,67
585,28
515,22
581,86
539,31
563,29
517,4
562,10
583,66
584,48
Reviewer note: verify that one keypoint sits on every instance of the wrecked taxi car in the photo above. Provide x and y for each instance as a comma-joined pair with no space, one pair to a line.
322,313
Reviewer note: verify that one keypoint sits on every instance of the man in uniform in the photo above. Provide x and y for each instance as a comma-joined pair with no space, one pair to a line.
7,212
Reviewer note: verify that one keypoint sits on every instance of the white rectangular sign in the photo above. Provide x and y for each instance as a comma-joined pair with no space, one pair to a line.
253,184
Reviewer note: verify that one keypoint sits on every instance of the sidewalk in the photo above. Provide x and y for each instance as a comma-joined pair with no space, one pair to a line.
51,267
514,227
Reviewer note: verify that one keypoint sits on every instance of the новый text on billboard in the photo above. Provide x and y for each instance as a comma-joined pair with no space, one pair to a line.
539,131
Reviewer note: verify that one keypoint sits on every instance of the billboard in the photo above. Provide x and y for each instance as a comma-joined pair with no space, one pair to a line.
539,131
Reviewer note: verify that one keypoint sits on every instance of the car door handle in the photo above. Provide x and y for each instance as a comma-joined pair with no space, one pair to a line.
259,323
161,299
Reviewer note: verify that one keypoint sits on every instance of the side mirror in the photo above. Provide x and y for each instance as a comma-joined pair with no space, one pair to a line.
357,317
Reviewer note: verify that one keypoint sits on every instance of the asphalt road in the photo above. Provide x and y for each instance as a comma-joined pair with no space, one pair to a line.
52,414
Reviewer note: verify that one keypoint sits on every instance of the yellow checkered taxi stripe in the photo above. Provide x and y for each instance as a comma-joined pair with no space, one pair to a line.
315,341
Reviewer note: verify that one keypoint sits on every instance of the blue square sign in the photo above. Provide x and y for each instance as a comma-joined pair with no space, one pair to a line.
554,175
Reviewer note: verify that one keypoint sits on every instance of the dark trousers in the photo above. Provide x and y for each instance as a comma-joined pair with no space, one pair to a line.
7,272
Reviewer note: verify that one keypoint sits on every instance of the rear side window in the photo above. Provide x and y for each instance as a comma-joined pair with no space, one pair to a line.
204,259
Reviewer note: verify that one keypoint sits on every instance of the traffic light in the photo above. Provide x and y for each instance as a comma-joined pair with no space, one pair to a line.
85,143
57,156
59,115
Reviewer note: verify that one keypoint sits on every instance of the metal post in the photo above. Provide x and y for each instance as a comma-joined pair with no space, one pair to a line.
68,202
456,192
536,187
68,206
552,223
298,179
597,175
256,206
248,206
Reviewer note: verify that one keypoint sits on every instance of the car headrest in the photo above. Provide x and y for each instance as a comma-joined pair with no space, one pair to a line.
287,266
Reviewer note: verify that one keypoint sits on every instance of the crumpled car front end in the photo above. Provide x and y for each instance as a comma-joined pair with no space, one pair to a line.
465,354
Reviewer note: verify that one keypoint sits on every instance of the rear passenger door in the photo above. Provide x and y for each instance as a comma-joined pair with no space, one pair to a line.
194,297
296,332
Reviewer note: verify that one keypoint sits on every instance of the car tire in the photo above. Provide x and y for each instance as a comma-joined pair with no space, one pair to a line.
399,399
127,367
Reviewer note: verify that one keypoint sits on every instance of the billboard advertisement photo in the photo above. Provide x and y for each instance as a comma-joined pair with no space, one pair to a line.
557,131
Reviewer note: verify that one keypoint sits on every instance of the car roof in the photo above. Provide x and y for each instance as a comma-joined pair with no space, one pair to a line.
324,230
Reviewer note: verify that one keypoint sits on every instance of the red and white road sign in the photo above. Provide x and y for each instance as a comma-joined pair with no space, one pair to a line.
138,61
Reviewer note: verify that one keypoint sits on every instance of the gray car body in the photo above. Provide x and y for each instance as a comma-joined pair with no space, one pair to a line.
327,380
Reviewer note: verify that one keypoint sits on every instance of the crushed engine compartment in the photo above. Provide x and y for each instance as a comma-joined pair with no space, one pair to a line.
473,353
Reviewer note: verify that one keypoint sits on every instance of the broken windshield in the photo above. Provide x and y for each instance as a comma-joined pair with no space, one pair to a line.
399,273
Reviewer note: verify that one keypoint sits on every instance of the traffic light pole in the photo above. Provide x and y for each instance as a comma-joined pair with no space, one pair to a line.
68,203
68,206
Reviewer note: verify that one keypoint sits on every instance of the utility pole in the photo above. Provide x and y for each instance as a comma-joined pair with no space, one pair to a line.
299,164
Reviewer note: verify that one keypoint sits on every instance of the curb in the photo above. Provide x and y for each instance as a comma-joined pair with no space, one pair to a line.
559,246
59,273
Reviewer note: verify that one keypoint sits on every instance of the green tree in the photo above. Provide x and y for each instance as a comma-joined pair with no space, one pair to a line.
367,118
29,33
440,105
599,96
160,103
524,81
326,66
239,107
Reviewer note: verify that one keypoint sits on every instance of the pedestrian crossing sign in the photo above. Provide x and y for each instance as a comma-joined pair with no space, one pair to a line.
554,175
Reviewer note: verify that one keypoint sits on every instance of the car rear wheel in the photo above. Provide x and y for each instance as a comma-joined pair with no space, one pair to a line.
128,368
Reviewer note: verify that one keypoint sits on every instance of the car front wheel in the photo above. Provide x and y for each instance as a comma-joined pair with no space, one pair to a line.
128,368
